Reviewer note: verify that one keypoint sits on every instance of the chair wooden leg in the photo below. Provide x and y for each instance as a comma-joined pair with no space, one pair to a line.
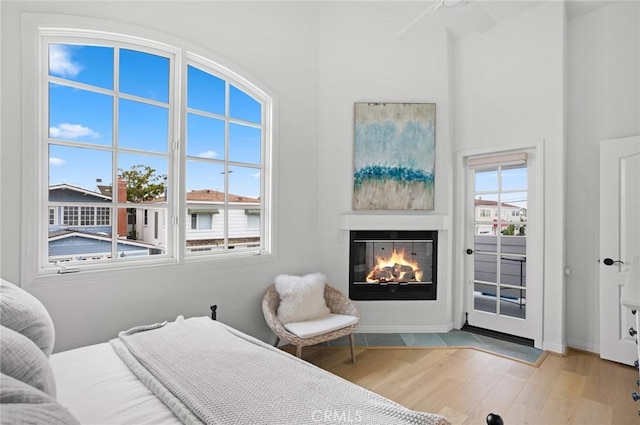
353,346
299,351
275,344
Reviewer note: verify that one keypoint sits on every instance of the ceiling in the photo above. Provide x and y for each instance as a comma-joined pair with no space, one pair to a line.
481,15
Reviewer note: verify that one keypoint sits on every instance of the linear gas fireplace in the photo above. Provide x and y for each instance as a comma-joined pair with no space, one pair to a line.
393,265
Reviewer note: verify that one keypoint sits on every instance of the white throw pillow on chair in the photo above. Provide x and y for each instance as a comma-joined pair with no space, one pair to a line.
301,297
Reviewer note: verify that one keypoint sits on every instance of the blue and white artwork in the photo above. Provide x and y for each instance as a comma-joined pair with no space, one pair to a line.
394,156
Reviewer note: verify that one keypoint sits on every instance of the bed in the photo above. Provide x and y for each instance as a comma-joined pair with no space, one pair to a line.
186,371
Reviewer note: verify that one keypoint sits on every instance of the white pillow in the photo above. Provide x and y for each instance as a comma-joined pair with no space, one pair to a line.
23,360
301,297
22,404
25,314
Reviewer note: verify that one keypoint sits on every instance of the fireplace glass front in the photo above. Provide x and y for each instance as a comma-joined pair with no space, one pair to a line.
393,265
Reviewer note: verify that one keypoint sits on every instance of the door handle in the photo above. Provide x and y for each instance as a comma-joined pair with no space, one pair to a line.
609,261
469,251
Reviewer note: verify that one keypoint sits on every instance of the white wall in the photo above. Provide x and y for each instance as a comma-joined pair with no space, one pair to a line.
361,62
257,37
502,86
508,88
603,87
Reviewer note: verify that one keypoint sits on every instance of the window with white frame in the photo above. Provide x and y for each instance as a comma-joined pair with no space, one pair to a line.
113,112
202,221
253,219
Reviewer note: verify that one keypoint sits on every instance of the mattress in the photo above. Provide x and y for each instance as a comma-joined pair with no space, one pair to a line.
98,388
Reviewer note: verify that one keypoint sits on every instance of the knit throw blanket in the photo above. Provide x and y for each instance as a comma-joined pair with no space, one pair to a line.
207,372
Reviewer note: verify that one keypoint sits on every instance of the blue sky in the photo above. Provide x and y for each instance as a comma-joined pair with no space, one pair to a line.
514,182
87,116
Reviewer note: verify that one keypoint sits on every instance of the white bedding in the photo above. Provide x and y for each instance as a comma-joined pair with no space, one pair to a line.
98,388
207,372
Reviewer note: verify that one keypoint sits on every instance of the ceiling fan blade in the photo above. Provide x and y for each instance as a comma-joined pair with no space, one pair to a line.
406,31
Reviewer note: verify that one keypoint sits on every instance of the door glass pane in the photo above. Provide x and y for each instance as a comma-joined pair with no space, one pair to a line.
514,244
486,180
485,267
485,216
484,297
513,270
485,243
513,302
514,178
514,207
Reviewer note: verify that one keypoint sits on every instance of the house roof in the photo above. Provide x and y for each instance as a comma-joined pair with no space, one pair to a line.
78,190
74,242
210,195
106,190
487,203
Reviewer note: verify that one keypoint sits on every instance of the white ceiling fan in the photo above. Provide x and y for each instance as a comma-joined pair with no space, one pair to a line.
482,20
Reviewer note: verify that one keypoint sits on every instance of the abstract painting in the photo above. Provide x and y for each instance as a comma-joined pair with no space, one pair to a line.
394,156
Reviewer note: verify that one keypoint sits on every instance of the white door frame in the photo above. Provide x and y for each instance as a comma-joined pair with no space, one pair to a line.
460,285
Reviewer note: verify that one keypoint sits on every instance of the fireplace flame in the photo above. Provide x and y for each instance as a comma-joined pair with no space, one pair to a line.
397,268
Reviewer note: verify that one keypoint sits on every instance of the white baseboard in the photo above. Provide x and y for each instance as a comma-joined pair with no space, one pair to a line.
584,346
386,329
553,347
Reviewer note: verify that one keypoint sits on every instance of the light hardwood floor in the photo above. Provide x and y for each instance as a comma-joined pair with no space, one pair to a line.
465,384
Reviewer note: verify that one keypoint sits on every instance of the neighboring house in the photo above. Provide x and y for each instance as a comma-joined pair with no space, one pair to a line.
80,226
486,210
83,230
205,221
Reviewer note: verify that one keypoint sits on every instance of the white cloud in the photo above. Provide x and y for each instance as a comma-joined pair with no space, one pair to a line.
61,63
256,175
72,131
56,161
208,154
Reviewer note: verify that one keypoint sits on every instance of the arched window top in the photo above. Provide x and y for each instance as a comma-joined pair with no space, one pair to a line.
145,124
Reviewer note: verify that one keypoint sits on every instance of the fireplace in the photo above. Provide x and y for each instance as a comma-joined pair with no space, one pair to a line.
393,265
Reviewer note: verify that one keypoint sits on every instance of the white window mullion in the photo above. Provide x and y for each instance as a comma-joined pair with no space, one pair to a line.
92,44
227,173
177,196
114,153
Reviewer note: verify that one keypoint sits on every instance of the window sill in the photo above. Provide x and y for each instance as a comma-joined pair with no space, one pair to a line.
146,270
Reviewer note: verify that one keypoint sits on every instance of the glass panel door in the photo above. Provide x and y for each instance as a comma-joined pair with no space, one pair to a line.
500,241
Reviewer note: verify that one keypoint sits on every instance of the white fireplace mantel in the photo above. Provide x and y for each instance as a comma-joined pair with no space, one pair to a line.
353,221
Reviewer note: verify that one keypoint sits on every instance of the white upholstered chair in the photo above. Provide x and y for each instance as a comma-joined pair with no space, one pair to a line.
343,320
